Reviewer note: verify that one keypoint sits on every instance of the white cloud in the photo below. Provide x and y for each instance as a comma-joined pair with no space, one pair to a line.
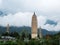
0,3
57,27
21,19
45,6
24,19
47,9
49,27
18,19
41,20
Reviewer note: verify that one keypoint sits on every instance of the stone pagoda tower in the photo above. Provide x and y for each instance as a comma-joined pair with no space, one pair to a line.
40,33
7,28
34,26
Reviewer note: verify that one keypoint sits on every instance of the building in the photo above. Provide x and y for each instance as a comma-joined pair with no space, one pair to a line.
40,33
7,38
7,28
34,26
48,36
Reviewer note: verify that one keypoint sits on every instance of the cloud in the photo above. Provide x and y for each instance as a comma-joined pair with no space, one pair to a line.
20,13
25,18
21,19
57,27
18,19
41,20
0,3
53,27
51,22
42,6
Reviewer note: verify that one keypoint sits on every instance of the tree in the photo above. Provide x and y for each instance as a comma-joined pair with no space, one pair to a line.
15,34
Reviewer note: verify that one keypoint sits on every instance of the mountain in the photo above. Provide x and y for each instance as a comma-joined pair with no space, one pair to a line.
44,32
3,12
51,22
15,29
19,29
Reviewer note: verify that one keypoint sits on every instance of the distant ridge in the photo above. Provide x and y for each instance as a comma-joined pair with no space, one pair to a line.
19,29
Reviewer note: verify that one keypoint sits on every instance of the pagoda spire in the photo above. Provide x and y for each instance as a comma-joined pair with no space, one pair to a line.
34,26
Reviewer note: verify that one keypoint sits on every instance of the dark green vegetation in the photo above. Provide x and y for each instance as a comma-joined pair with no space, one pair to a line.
24,38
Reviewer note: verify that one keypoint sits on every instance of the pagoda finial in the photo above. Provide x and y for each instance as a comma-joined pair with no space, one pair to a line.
34,13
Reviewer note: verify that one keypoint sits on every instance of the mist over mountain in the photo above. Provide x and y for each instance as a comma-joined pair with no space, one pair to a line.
24,18
19,13
51,22
28,29
3,12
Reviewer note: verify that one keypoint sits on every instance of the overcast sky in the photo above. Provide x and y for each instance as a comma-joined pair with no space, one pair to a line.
19,13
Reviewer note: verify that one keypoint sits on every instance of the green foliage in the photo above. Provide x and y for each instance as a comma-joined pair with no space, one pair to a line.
5,34
8,43
15,34
33,42
24,34
53,40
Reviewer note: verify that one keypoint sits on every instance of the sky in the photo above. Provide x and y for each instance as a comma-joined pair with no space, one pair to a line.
19,13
